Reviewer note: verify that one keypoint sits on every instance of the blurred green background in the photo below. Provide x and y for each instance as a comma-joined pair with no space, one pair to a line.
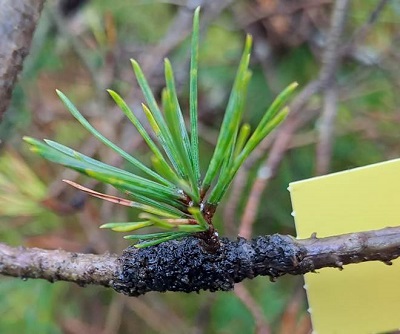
85,49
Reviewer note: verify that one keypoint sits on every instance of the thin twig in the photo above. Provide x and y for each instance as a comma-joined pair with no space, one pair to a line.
326,131
78,47
328,115
185,266
152,318
268,170
288,9
285,133
290,322
233,201
114,315
238,187
18,21
54,265
331,55
72,325
262,327
180,29
362,32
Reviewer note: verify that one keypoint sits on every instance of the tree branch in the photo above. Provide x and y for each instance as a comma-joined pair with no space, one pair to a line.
185,266
58,265
18,19
327,119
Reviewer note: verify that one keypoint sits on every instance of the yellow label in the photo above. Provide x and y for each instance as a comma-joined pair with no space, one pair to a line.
364,297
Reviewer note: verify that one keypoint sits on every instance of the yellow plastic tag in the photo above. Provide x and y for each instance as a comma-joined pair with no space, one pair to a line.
365,297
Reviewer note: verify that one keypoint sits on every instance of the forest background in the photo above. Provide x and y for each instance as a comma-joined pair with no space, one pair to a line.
346,115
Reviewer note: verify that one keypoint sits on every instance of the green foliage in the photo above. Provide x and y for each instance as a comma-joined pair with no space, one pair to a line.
21,193
25,306
172,196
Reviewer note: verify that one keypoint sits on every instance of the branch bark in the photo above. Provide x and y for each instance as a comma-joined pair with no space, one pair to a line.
185,266
18,19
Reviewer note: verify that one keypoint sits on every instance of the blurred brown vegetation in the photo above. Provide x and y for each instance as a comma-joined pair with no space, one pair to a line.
345,115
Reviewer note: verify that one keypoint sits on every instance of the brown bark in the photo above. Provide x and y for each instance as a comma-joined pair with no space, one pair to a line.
18,19
186,266
57,265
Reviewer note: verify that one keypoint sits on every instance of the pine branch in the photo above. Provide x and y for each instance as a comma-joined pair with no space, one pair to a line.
58,265
186,266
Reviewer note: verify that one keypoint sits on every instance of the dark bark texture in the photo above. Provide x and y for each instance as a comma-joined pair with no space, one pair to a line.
187,266
18,19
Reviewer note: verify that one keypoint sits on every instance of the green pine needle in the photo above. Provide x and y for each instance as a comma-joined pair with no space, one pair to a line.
194,60
74,111
127,227
180,138
172,196
231,119
156,240
131,116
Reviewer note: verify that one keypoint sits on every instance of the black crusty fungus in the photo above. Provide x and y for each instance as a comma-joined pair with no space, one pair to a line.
183,265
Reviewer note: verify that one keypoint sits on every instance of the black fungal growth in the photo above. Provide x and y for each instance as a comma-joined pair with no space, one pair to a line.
186,266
